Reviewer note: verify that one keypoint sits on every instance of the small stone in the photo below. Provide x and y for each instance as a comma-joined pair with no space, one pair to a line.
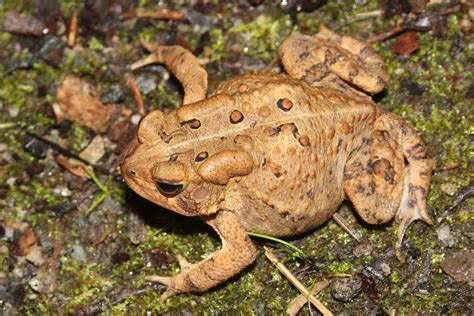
35,147
78,253
460,265
346,289
444,235
362,249
115,94
135,119
385,269
264,111
137,232
146,83
94,151
158,258
35,256
304,140
449,188
34,168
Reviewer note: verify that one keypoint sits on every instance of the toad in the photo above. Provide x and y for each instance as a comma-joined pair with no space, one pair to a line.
277,153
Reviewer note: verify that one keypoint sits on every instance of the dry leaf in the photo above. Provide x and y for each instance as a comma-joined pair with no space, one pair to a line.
406,44
80,102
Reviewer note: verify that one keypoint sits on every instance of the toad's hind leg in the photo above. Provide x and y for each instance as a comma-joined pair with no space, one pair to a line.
333,59
380,185
184,66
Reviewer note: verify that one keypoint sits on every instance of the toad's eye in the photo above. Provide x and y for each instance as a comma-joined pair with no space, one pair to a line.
169,189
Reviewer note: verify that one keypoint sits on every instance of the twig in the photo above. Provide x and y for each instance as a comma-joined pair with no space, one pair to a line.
280,266
346,226
66,152
461,196
300,300
369,14
159,15
385,35
137,96
71,36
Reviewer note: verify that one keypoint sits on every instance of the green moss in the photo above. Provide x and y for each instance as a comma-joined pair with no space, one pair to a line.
251,35
85,284
78,137
95,44
217,40
395,276
340,267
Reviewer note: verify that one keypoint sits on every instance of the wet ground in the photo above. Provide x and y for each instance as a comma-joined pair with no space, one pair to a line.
80,242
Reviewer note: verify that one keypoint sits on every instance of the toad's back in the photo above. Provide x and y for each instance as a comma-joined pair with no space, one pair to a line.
300,138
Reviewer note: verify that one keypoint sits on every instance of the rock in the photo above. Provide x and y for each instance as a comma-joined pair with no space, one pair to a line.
385,269
78,253
362,249
158,258
45,280
460,265
444,235
94,151
52,50
346,289
17,23
115,94
35,147
137,232
146,83
35,256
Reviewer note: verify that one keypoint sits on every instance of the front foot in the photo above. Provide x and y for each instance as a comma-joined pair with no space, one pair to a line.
236,254
174,283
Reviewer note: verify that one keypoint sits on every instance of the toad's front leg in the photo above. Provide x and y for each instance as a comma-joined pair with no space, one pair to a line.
237,252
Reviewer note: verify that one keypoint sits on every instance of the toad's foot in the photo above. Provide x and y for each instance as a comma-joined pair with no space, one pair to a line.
417,178
315,58
237,253
413,203
183,64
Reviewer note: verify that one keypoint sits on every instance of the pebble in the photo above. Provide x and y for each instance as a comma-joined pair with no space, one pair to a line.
346,289
444,235
385,269
78,253
362,249
146,83
449,188
115,94
460,265
136,229
135,119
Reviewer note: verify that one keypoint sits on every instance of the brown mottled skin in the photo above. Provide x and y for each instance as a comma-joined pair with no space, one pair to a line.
277,153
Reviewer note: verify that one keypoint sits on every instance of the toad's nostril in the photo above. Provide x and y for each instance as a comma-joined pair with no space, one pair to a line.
132,173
